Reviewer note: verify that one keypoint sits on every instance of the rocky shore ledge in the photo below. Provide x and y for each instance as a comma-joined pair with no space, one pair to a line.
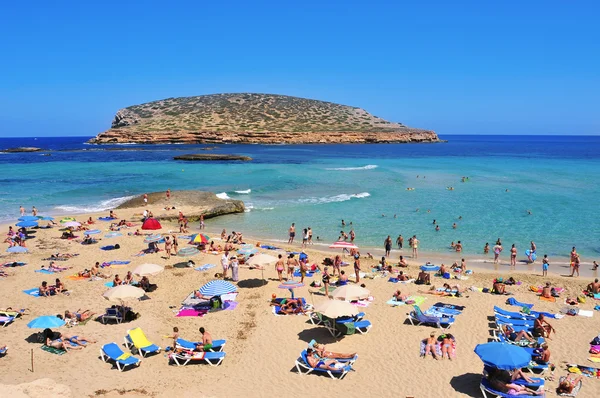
212,156
202,203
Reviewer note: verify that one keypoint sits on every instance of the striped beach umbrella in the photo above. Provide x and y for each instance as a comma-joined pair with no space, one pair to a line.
152,238
188,251
291,285
343,245
217,288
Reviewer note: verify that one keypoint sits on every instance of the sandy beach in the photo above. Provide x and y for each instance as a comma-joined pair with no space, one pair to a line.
262,348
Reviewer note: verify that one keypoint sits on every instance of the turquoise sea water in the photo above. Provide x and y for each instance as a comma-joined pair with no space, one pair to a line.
556,178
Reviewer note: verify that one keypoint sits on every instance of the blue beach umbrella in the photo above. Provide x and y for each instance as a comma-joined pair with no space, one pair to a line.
92,232
17,249
46,321
28,218
503,356
247,252
113,235
429,267
46,218
217,288
27,224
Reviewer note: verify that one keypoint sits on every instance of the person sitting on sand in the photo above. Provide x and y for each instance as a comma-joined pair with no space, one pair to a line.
442,270
112,214
292,306
566,386
95,271
78,315
68,234
46,290
511,335
593,287
146,285
117,281
128,279
430,346
207,342
499,287
423,279
59,287
398,296
402,263
541,328
321,351
328,364
402,277
343,279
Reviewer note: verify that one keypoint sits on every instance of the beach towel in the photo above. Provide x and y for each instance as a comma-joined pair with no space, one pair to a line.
14,264
449,306
77,278
44,271
190,312
583,370
415,300
53,350
394,303
205,267
35,292
118,262
268,247
309,274
104,265
438,349
109,284
395,280
230,305
586,313
109,247
512,301
549,299
361,303
106,218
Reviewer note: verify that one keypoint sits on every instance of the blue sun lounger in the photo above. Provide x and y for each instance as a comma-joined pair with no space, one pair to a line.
417,317
488,391
304,368
6,320
511,314
501,320
113,352
209,357
217,345
537,381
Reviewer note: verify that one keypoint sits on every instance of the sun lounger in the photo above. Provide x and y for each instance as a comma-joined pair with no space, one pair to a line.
500,337
488,391
112,314
3,351
537,381
217,345
209,357
304,368
500,320
136,338
114,353
417,317
513,315
6,320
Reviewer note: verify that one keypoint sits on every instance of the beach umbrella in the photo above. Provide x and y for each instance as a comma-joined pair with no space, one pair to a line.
247,252
336,309
46,218
28,218
291,285
152,224
27,224
429,267
148,269
152,238
92,232
123,292
66,219
351,292
503,356
343,245
46,321
188,251
217,288
261,260
17,249
200,238
72,224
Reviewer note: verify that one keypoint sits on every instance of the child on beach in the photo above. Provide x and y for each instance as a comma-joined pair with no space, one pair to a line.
545,265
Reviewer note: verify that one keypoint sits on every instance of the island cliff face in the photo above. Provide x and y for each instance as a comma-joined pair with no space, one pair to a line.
253,119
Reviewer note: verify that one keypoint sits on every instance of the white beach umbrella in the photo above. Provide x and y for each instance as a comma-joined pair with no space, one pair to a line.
350,293
336,309
123,292
148,269
261,260
72,224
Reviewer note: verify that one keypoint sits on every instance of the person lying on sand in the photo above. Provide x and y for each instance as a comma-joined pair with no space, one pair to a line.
315,362
398,296
430,344
291,306
78,315
568,384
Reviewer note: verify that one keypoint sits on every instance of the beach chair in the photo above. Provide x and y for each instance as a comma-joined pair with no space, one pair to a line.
537,381
209,357
136,338
511,314
6,320
488,391
112,314
417,318
317,319
304,368
217,345
501,337
122,359
500,320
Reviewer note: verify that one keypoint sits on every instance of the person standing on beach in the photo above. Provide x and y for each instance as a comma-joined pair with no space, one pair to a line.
225,263
325,280
234,268
168,245
545,265
497,250
513,256
22,211
201,221
145,199
415,246
388,245
34,211
304,237
310,236
168,193
357,267
292,232
400,241
575,265
279,267
291,265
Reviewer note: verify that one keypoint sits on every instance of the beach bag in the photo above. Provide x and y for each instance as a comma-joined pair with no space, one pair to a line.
533,288
446,275
485,290
581,299
526,310
215,302
572,311
596,341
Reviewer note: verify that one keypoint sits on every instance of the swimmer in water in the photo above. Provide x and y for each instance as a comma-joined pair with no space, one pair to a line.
529,212
454,226
437,227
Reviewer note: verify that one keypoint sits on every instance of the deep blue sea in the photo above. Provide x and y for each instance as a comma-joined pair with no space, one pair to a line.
556,178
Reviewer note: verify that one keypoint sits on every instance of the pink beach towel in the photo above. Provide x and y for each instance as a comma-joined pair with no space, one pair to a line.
190,312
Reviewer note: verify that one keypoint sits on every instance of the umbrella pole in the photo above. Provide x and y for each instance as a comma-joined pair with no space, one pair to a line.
32,360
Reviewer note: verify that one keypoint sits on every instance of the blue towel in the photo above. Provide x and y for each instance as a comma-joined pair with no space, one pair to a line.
106,218
269,247
546,314
512,301
109,247
309,274
35,292
393,280
108,284
205,267
117,262
44,271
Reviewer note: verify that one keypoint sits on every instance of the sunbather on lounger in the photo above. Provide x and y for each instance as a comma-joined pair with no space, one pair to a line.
510,334
206,341
321,351
315,362
506,376
513,389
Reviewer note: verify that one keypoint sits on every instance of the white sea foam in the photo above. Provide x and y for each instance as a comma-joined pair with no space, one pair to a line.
104,205
337,198
367,167
223,195
247,191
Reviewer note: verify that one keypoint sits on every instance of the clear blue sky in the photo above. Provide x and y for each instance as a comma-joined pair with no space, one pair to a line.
471,67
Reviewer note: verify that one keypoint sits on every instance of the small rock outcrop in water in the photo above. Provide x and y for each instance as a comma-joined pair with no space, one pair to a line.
253,119
22,149
212,156
203,203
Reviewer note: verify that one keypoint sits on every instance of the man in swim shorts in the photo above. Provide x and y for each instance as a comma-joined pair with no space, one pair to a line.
292,233
545,265
206,341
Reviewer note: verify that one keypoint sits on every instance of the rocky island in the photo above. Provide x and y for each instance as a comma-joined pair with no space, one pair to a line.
208,157
253,119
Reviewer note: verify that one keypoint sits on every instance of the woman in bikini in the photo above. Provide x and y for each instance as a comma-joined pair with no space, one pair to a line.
291,264
513,256
321,351
430,344
447,345
79,316
168,245
568,384
279,268
337,263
